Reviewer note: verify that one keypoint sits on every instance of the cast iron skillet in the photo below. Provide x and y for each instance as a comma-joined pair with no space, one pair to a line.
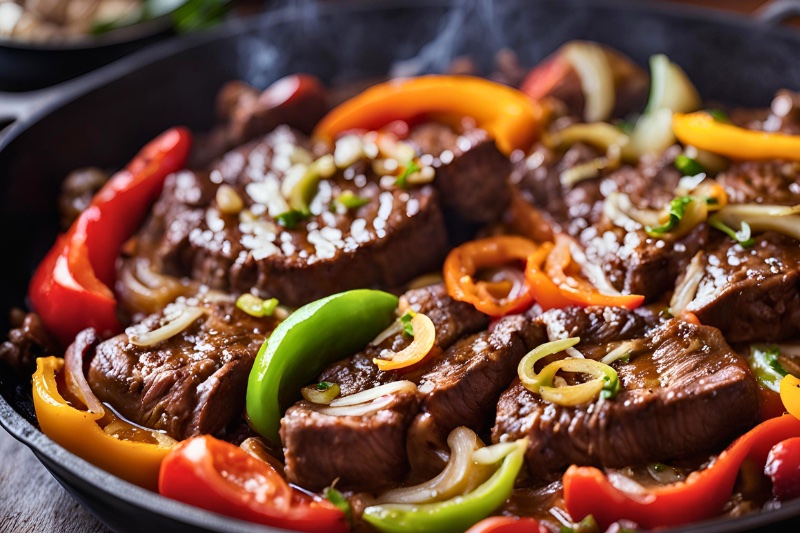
103,118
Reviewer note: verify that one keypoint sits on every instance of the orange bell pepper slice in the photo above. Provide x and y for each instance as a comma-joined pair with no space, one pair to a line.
79,432
464,261
702,131
790,394
587,491
571,290
508,115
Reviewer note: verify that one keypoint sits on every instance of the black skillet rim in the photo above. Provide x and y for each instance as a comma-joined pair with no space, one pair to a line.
136,496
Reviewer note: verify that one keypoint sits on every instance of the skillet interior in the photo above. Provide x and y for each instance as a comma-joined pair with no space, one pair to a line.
103,118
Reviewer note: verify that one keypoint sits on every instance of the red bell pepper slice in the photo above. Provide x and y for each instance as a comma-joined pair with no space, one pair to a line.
587,491
508,524
70,289
220,477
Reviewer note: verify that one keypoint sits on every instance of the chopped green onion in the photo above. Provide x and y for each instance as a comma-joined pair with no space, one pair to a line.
255,306
338,499
290,219
677,208
410,168
321,393
765,365
408,327
719,115
351,200
743,236
605,383
688,166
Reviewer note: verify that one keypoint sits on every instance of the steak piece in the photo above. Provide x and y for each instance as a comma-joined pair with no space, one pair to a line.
471,174
320,448
397,235
763,182
365,453
751,294
684,392
190,384
462,388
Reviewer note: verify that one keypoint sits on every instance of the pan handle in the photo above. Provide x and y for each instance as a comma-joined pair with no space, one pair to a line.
778,11
15,107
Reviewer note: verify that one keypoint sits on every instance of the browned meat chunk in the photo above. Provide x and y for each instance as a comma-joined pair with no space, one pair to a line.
358,373
763,182
684,391
27,341
397,235
472,175
751,294
189,384
462,388
366,453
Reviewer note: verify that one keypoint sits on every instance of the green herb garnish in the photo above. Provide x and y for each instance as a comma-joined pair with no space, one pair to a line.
719,115
743,236
408,327
611,388
290,219
338,499
410,168
688,166
351,200
324,385
255,306
677,208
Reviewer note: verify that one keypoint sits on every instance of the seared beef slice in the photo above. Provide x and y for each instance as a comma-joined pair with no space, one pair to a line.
751,294
368,452
397,235
684,392
192,383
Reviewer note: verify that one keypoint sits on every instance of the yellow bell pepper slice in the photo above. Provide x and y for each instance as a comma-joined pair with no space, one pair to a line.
703,132
79,432
508,115
790,394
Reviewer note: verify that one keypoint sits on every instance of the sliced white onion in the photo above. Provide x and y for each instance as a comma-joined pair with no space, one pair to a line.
625,484
491,455
619,209
687,289
777,218
597,81
394,329
573,352
594,273
451,481
362,409
373,393
670,87
175,326
619,352
652,134
689,183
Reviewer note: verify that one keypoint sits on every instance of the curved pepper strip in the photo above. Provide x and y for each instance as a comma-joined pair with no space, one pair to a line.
703,132
507,114
790,395
456,514
313,337
464,261
70,288
554,288
78,431
587,491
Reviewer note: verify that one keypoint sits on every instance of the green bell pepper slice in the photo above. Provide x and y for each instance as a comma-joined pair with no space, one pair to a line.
456,514
310,339
766,367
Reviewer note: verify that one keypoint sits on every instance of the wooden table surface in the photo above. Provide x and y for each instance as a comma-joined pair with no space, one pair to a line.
30,498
